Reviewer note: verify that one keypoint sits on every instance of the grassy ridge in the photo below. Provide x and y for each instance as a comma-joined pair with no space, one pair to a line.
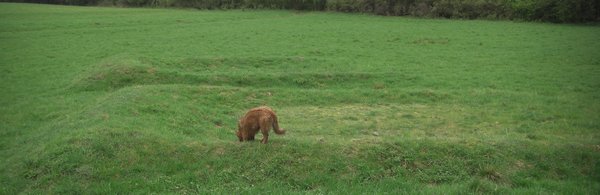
105,100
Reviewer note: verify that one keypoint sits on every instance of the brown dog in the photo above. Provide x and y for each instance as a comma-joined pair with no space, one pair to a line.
260,118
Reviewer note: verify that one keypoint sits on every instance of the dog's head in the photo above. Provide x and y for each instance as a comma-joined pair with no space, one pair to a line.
238,132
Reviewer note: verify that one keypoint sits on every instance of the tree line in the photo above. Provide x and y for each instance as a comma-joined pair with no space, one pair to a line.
566,11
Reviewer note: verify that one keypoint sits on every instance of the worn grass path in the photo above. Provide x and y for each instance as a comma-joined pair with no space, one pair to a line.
115,100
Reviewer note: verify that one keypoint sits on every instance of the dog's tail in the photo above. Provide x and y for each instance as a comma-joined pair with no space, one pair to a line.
276,125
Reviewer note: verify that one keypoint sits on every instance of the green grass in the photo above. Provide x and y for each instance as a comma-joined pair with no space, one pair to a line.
113,100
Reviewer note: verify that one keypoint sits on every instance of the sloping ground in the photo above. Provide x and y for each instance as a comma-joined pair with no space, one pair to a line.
432,122
154,130
163,138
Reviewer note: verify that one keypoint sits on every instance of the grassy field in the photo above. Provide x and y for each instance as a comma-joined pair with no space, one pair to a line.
114,100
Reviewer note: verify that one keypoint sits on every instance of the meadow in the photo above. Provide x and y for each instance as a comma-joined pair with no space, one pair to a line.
100,100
